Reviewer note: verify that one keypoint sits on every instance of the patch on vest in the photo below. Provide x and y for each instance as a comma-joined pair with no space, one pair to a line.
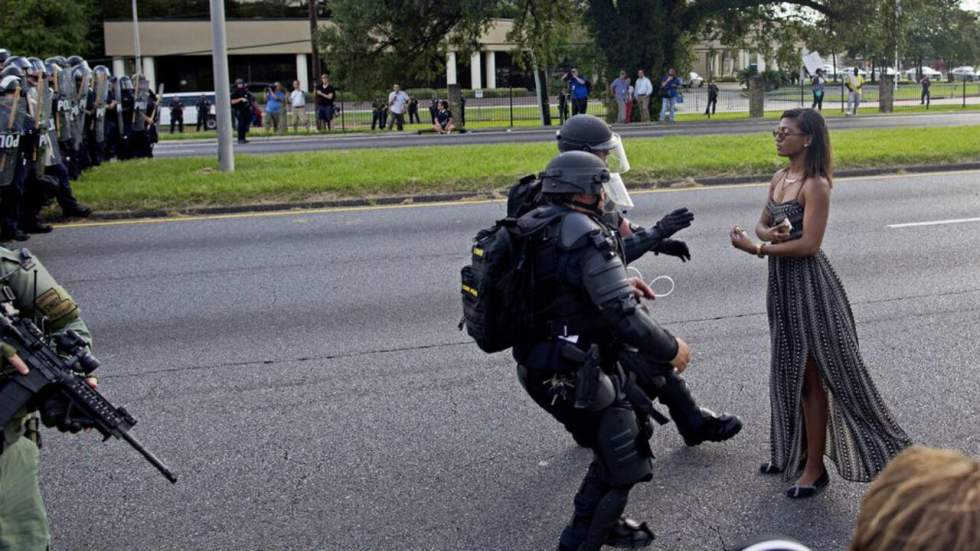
58,307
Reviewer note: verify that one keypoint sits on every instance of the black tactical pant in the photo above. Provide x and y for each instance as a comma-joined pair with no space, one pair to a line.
660,381
619,439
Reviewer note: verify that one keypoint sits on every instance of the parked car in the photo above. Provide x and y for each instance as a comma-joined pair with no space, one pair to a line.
933,74
964,73
190,101
694,79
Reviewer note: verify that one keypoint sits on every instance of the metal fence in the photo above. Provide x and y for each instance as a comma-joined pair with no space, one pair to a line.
519,107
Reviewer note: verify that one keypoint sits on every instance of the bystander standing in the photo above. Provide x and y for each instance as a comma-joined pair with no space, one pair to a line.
275,101
297,104
413,110
325,95
926,97
379,113
643,90
620,90
817,86
397,105
854,84
668,94
579,91
712,99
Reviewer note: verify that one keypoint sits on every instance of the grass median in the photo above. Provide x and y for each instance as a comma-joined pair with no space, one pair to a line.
175,184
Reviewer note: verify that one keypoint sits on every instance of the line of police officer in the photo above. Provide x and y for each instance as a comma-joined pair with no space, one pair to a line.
59,117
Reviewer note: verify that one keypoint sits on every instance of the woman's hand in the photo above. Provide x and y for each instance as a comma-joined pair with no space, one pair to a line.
777,233
741,240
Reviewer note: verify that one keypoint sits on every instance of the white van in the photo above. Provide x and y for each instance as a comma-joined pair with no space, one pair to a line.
190,101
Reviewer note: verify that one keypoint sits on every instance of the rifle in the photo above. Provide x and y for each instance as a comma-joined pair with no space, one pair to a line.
56,370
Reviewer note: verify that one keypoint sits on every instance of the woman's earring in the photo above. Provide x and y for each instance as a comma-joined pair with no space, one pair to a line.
806,145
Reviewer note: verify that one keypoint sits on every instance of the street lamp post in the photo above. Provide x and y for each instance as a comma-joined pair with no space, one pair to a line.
136,41
222,92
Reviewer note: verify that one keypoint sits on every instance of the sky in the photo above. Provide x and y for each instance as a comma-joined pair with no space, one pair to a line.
971,4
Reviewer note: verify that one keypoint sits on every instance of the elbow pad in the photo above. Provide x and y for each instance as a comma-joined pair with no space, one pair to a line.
607,284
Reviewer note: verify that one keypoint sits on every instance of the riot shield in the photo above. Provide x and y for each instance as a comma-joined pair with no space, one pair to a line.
141,97
62,86
117,91
48,128
13,113
101,75
80,91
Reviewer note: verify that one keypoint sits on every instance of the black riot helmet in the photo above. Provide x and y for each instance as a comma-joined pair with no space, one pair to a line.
102,70
125,83
8,84
75,60
4,54
79,72
17,61
14,71
58,60
37,70
574,172
586,133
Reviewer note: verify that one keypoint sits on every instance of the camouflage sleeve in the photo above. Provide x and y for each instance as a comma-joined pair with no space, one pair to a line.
38,295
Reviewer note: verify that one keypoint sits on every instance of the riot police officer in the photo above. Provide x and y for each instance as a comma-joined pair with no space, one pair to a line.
34,292
584,311
592,134
15,148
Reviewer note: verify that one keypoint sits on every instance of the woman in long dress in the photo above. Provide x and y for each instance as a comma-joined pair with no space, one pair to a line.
823,400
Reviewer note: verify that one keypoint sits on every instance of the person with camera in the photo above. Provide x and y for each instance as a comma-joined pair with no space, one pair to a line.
578,90
275,102
23,520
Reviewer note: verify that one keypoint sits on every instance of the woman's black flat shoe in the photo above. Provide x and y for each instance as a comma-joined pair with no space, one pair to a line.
802,492
769,468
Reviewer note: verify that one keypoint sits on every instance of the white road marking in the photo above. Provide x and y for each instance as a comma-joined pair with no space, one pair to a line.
935,223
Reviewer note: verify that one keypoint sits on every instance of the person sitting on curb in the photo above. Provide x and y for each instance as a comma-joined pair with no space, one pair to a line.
444,119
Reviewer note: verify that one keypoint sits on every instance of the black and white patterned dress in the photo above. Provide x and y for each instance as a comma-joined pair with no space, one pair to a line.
809,314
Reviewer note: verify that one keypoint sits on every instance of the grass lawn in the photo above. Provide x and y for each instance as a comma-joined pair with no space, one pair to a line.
310,176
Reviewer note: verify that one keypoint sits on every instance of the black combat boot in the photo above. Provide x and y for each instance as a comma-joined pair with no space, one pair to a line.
629,534
714,428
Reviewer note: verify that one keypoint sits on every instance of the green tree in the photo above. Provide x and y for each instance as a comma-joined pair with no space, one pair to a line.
44,28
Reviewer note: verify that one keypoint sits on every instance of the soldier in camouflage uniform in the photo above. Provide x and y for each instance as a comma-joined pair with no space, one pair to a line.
23,521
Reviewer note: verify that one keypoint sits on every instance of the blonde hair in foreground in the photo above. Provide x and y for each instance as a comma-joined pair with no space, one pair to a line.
926,499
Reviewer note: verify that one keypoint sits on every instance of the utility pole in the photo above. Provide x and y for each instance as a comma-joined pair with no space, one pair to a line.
898,24
315,74
136,41
222,92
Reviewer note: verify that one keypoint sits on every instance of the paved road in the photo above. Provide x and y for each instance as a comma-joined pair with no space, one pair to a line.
304,376
263,145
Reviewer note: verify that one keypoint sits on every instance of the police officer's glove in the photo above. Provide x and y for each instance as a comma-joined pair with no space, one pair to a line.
57,411
673,223
673,247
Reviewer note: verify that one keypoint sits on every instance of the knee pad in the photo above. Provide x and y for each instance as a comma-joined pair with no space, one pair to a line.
623,454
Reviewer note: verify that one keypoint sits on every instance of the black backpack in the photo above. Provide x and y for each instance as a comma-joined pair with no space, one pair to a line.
524,196
490,286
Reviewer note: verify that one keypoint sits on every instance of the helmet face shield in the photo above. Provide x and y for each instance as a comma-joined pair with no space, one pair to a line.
616,159
616,194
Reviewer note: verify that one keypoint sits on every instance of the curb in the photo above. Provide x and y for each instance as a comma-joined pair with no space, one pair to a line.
495,194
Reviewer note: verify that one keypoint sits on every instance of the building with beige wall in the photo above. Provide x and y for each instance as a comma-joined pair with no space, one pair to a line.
177,52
